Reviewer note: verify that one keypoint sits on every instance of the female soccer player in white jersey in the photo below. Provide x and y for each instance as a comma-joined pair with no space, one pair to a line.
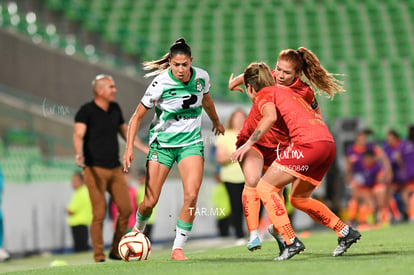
178,93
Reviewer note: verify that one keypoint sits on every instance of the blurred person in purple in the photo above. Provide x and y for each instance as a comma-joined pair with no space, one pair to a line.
369,184
403,157
354,164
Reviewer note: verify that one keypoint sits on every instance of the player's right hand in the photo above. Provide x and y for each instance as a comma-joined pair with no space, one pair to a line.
128,158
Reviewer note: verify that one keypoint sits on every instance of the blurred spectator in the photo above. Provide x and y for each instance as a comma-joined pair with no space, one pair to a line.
370,187
407,161
113,210
392,148
4,255
141,175
230,172
354,166
221,201
80,213
95,140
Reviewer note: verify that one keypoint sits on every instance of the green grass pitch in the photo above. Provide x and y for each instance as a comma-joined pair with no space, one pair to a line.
388,250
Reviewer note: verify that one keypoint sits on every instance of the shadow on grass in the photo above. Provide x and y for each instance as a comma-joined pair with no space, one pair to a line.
305,256
361,255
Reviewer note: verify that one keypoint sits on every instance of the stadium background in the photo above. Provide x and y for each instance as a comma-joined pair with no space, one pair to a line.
51,50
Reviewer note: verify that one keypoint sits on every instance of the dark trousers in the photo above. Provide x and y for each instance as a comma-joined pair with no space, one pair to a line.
235,191
80,238
223,226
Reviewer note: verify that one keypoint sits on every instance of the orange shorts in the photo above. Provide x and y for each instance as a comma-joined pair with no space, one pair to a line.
309,161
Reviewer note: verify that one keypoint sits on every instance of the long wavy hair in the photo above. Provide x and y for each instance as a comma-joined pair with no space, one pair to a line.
307,63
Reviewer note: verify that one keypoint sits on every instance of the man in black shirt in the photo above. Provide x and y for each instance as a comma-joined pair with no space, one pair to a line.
95,139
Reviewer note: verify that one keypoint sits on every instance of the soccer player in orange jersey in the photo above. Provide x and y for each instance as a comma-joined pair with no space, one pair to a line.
291,64
304,162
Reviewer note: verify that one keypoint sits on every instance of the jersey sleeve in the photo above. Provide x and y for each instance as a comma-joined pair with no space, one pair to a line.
264,97
152,94
207,84
206,77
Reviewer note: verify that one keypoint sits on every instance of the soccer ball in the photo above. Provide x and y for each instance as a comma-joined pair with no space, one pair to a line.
139,243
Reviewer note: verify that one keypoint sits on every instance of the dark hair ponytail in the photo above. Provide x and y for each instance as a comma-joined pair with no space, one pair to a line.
180,46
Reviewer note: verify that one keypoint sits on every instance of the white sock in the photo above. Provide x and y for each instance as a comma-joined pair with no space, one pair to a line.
141,222
181,237
253,235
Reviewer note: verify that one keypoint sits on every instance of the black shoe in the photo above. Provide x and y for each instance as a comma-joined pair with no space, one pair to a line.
345,242
291,250
114,256
101,261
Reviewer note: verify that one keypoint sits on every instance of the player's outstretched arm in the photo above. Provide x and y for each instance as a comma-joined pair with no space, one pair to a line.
210,109
264,125
236,82
137,142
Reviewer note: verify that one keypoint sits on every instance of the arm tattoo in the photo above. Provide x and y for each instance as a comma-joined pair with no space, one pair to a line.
255,136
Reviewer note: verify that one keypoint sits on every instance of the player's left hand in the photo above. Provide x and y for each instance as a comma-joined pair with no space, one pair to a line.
238,155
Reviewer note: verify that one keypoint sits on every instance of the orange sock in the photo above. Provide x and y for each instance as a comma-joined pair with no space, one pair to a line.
251,206
384,215
364,212
411,206
316,210
392,204
276,210
341,229
352,209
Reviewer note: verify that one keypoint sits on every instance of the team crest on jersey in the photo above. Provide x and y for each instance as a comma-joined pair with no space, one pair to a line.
199,86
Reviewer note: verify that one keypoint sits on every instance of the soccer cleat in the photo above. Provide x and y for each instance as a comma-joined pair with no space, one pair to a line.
345,242
291,250
178,254
278,237
4,255
114,256
254,245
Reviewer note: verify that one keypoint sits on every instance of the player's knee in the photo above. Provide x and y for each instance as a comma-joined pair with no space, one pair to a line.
251,180
190,198
125,211
299,203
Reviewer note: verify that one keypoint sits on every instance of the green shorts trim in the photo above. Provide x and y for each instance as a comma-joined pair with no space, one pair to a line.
167,156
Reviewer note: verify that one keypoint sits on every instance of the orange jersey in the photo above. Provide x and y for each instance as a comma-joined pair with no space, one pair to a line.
278,134
303,90
304,124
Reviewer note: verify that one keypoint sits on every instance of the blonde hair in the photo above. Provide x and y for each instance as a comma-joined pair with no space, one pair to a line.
163,64
307,62
258,75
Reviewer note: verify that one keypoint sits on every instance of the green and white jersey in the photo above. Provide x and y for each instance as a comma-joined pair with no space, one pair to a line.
178,107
